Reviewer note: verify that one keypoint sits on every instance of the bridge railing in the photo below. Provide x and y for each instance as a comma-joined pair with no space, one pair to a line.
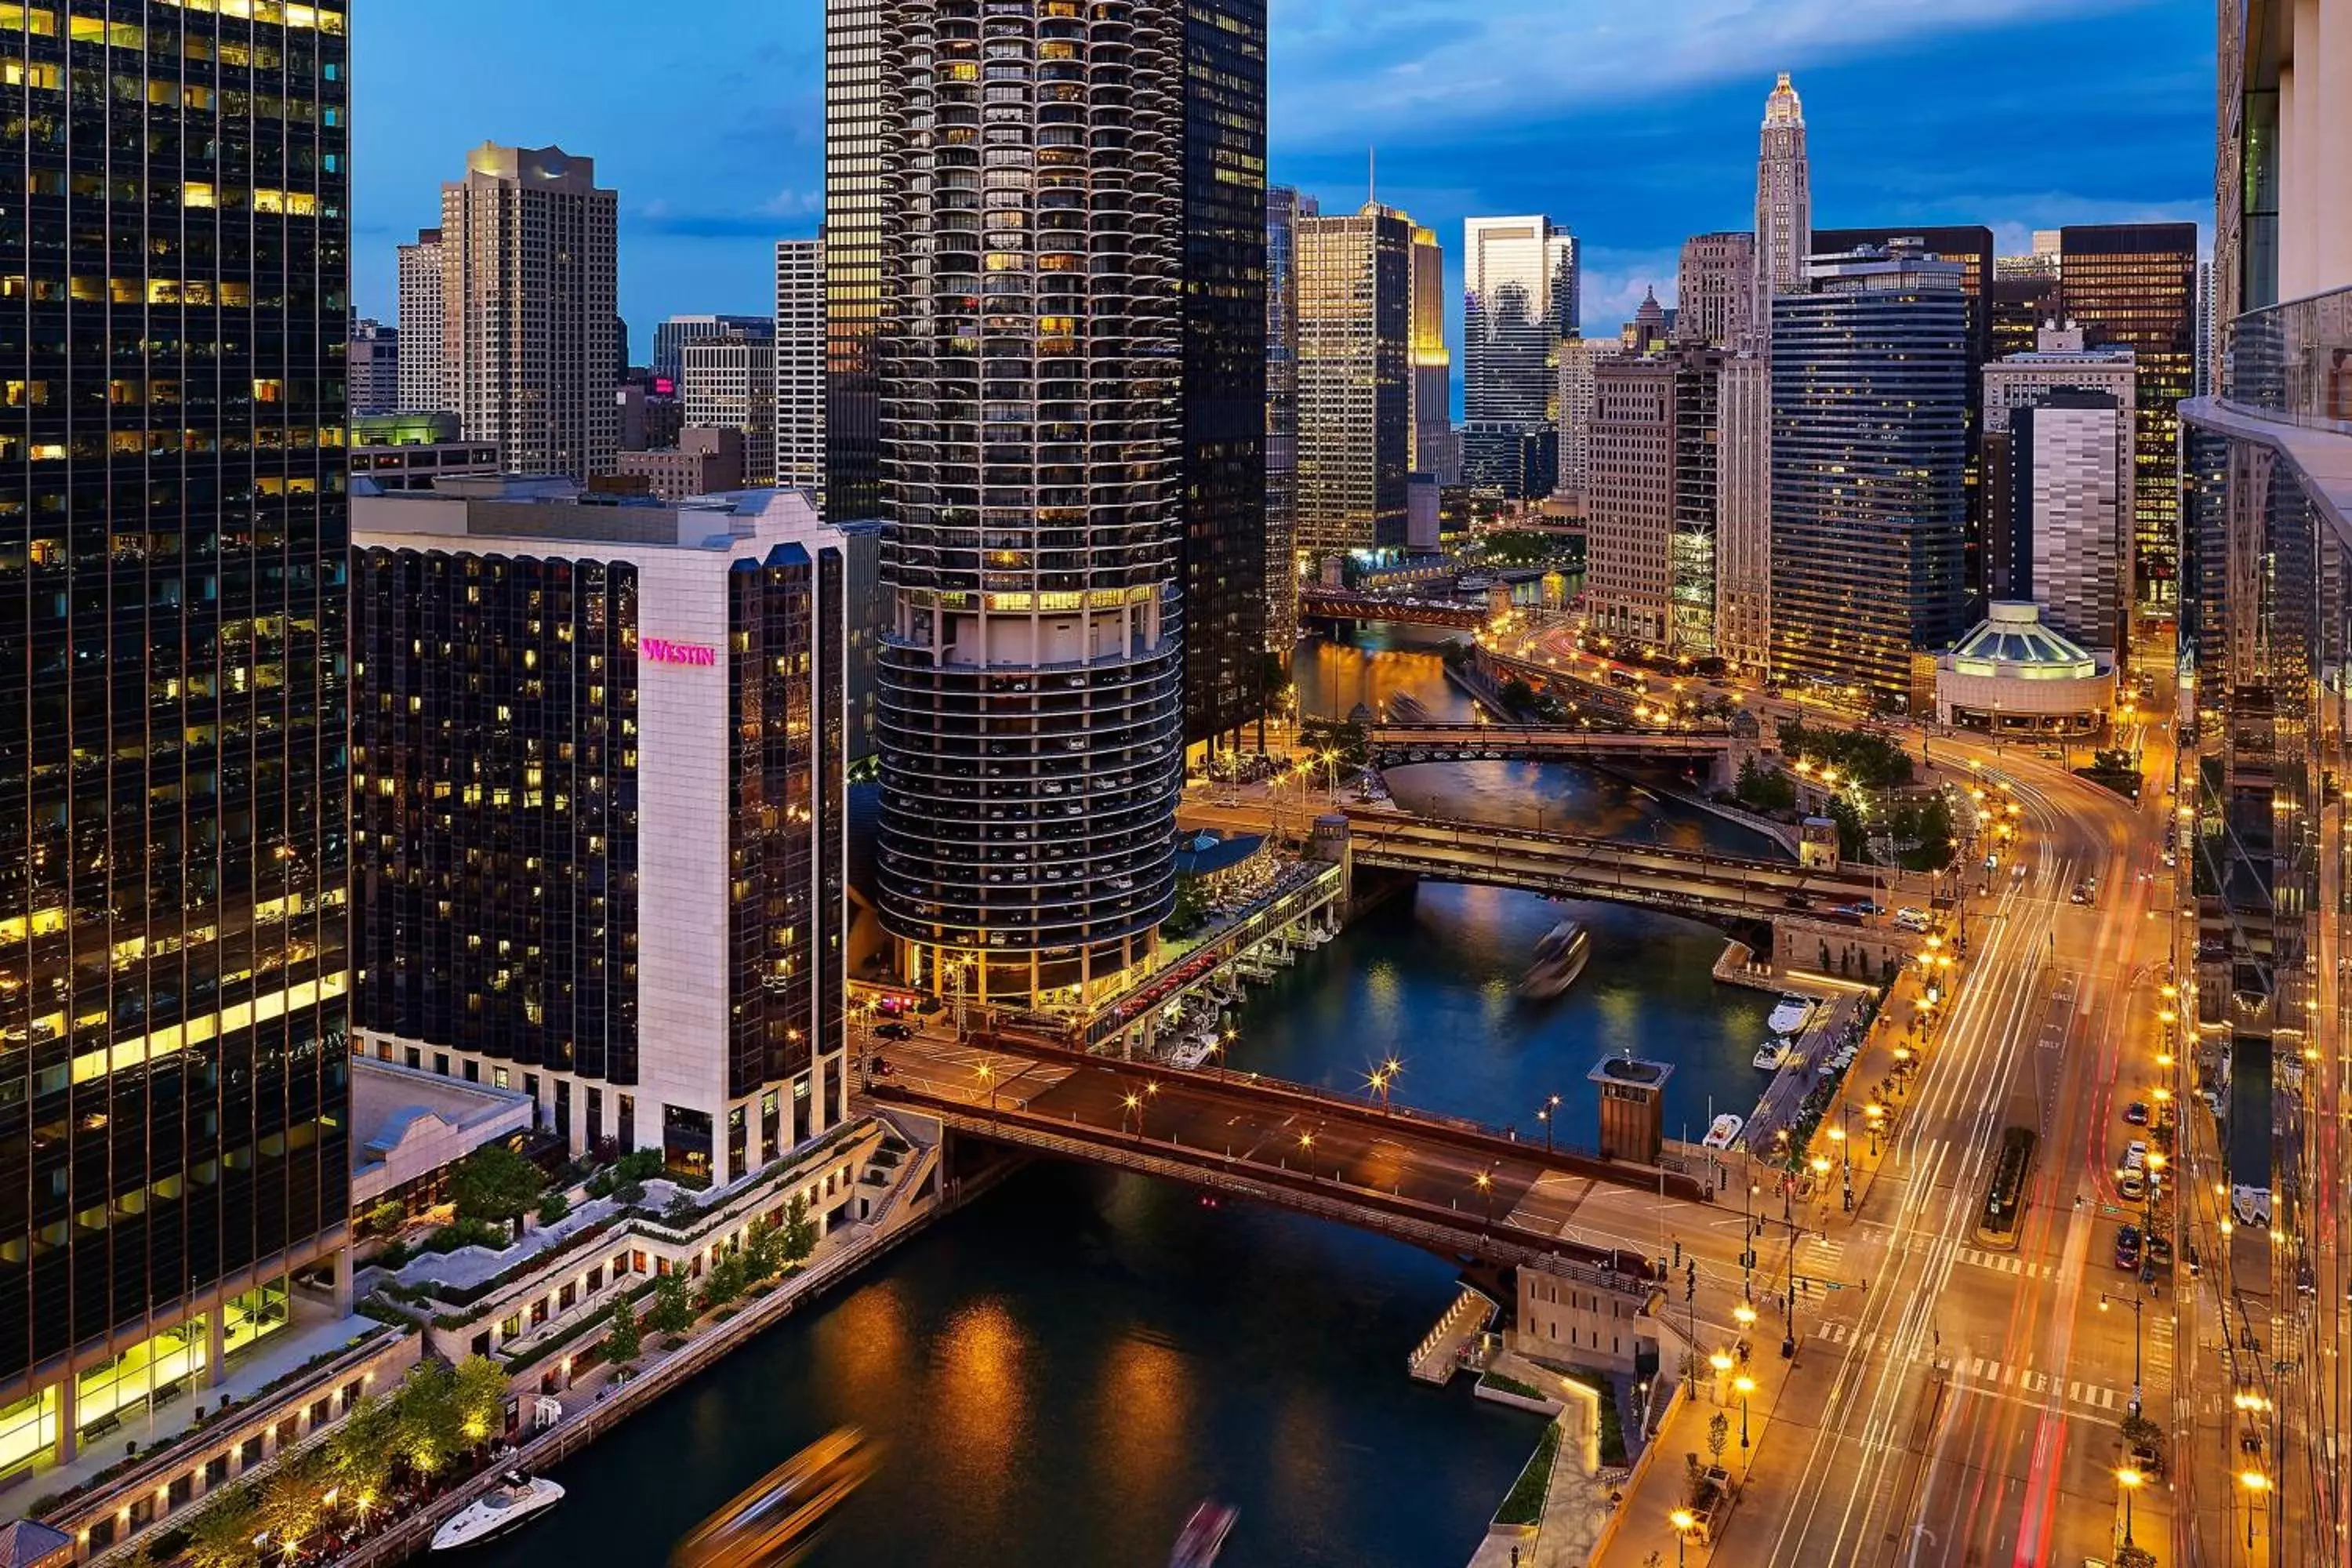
1412,1219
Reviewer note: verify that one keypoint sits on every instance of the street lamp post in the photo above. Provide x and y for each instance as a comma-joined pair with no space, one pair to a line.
1744,1385
2130,1480
1682,1519
1484,1182
2138,1364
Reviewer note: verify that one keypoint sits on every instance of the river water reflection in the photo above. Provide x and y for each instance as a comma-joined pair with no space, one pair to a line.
1058,1374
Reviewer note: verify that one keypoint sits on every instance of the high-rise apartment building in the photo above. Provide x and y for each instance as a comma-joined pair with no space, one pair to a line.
1715,290
2133,285
174,1128
599,831
1869,448
2046,537
2265,596
672,333
1030,686
1223,269
1434,445
728,381
1580,358
1743,528
1519,299
1650,505
1354,412
2022,304
528,273
1784,199
800,365
372,369
423,379
1284,207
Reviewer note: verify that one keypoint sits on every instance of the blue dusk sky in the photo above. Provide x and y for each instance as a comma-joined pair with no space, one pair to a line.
1633,122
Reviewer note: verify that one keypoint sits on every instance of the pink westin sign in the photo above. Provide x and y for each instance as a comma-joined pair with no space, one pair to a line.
661,650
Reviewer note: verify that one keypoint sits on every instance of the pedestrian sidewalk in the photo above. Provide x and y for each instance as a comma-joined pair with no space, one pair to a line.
1660,1484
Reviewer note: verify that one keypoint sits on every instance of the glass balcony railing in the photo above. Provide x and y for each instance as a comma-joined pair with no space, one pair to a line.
2293,362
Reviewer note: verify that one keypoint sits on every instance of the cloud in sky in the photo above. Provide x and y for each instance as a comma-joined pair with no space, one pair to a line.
1631,121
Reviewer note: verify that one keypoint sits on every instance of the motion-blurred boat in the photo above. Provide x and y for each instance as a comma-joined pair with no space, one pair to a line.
780,1511
1559,959
1203,1536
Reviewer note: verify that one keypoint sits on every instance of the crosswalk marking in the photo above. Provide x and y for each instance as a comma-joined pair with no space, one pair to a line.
2006,1263
1981,1371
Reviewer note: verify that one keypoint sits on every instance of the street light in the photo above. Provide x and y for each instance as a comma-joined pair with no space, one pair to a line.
2130,1480
1682,1519
1743,1385
1306,1153
2255,1484
1484,1182
2138,1363
1132,1104
987,1071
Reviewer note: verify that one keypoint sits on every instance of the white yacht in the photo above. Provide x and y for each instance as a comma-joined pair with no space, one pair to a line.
1771,1056
1790,1014
514,1501
1724,1132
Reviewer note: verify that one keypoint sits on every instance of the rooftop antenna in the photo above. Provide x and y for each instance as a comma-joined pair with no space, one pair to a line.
1371,176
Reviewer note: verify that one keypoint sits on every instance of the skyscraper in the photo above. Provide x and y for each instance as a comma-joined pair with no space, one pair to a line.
598,754
2133,285
1743,528
1784,198
528,270
1714,289
1030,718
672,333
1518,300
728,382
1650,501
2266,574
1223,211
1355,402
1284,207
1580,358
2057,532
858,131
1969,246
424,380
1869,443
173,1132
800,365
373,367
1433,446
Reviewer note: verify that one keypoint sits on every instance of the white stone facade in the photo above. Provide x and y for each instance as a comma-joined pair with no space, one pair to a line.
799,365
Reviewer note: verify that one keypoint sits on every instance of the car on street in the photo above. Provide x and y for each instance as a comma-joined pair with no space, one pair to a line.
2085,891
2159,1250
2128,1248
894,1032
2136,1155
2135,1113
1912,918
2132,1185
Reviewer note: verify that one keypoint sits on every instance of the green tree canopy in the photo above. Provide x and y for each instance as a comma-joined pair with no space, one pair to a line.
494,1182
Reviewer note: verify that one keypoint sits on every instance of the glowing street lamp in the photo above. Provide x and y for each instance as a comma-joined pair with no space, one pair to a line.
1683,1520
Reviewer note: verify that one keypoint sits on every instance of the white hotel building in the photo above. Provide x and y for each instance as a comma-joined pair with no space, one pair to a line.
599,853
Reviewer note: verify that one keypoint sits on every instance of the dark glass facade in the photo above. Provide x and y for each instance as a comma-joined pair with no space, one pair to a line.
174,277
494,806
2134,286
856,130
1283,206
1869,446
1225,365
785,816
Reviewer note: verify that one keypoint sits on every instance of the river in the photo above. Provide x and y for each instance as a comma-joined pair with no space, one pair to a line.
1059,1372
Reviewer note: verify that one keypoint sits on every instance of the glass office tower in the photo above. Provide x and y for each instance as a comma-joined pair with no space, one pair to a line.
1869,446
173,1073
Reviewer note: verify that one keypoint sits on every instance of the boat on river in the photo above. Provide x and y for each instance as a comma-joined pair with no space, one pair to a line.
1772,1055
1789,1014
512,1502
1724,1132
1560,957
778,1512
1203,1536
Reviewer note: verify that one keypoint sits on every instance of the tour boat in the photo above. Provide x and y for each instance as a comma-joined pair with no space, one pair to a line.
1724,1132
513,1502
1559,959
1771,1055
781,1507
1788,1014
1203,1536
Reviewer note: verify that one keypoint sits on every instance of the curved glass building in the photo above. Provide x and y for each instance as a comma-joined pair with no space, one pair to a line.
1029,359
